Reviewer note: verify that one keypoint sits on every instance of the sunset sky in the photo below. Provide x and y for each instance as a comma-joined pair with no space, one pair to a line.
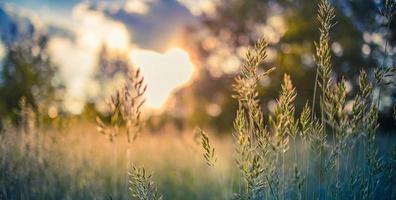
145,30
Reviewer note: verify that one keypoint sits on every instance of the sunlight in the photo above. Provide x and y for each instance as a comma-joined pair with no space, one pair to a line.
137,6
163,72
199,7
77,58
96,29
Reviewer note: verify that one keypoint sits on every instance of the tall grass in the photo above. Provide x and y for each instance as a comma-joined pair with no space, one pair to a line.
330,153
339,157
79,164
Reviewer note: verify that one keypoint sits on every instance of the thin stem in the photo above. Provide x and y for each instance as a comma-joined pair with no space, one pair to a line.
283,175
296,164
314,94
272,191
128,152
307,168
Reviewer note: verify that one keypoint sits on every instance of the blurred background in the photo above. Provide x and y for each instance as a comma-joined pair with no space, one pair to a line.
67,57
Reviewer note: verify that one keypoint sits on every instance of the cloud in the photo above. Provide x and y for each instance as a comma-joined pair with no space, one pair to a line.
199,7
137,6
77,57
76,64
95,29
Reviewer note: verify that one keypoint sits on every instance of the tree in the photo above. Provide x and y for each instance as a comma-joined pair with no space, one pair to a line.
290,27
27,71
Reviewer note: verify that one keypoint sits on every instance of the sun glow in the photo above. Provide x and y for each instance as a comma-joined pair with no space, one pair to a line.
77,59
163,72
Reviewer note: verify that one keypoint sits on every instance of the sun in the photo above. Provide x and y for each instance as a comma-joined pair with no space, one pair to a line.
163,72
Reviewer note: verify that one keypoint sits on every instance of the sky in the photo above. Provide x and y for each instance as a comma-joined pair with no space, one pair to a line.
145,30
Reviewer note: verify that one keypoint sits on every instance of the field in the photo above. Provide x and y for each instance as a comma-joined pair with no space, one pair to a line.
81,164
331,148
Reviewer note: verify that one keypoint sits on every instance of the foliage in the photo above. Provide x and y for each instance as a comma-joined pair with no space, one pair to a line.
125,108
75,163
209,151
224,35
261,152
142,186
27,71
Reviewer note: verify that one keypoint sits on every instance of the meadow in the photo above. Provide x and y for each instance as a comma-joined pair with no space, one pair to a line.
334,152
80,164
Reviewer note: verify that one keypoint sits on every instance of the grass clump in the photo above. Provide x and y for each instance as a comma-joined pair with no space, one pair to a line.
326,144
125,108
142,186
208,149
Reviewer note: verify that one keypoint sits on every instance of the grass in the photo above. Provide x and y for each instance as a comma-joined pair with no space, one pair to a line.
332,138
330,153
80,164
